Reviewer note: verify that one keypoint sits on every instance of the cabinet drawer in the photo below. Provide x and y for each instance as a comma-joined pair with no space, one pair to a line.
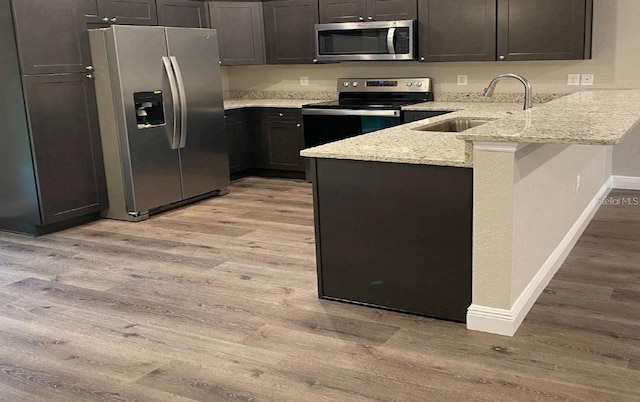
283,114
233,115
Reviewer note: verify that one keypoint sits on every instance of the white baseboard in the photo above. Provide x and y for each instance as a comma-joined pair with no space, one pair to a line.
626,182
507,322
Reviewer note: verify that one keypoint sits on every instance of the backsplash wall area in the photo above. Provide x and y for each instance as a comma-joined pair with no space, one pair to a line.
615,63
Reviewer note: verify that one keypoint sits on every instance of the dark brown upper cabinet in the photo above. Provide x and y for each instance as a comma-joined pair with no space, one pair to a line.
51,36
332,11
240,31
392,10
183,13
289,27
457,30
123,12
544,29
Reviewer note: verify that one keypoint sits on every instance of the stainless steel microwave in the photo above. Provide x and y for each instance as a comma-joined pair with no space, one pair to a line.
386,40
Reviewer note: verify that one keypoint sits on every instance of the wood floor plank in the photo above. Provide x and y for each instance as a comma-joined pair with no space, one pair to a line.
218,301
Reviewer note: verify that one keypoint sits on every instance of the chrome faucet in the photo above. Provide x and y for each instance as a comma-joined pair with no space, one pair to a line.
488,91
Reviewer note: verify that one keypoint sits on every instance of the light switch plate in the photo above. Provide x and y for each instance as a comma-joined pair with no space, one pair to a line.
587,79
304,81
573,79
462,80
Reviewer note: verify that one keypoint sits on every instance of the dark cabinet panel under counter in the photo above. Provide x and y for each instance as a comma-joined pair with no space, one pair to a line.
395,236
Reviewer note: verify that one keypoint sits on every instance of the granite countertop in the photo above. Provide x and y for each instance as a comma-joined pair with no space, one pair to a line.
283,103
600,117
403,144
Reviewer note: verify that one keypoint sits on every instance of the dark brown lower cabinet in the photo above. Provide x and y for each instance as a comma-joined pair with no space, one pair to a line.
66,146
394,236
280,140
239,145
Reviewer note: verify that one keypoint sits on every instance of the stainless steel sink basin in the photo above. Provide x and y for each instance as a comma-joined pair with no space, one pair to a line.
456,125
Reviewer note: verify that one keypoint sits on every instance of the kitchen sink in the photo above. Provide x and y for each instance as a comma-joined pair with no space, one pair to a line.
454,125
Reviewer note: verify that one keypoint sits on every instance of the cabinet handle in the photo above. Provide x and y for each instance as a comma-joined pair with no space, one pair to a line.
90,76
280,114
298,125
421,58
114,19
225,116
361,18
89,68
502,57
105,19
315,60
370,18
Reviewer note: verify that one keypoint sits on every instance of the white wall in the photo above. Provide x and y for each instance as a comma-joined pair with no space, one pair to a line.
615,63
528,214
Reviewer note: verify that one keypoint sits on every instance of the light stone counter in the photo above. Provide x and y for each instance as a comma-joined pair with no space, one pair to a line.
279,103
600,117
403,144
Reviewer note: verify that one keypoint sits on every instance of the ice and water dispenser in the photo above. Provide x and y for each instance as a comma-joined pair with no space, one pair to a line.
149,109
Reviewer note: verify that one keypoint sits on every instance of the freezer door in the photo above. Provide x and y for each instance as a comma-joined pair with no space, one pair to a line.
147,104
203,147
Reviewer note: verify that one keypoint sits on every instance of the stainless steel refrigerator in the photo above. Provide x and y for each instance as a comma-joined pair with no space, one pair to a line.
159,95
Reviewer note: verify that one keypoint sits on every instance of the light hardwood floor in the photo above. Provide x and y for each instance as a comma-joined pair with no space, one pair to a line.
217,302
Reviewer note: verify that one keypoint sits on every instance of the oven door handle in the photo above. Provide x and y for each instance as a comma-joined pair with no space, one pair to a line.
391,34
350,112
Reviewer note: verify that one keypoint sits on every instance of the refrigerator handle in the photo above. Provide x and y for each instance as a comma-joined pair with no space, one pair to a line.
183,102
174,101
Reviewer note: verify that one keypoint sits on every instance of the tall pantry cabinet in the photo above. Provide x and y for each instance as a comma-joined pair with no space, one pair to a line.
51,172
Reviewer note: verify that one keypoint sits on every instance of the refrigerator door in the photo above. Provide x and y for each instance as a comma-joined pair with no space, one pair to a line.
203,146
147,102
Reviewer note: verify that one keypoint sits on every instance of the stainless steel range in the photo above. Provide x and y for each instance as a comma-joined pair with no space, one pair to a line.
364,105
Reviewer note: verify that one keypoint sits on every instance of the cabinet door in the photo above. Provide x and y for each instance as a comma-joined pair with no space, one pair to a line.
130,12
93,14
238,141
332,11
240,31
183,13
282,140
289,31
460,30
52,36
66,145
544,29
392,10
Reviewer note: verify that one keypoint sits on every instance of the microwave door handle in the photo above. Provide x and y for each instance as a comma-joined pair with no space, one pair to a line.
391,34
183,102
174,100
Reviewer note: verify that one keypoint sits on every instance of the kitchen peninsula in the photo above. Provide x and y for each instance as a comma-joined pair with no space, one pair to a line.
532,181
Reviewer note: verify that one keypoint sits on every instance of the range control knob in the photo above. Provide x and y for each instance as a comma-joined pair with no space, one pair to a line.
345,84
418,84
354,84
409,83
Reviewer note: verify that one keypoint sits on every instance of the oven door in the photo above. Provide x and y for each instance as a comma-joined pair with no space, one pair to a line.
387,40
322,126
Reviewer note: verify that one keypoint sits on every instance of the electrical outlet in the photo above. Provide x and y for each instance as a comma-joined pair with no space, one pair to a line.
304,81
587,79
462,80
573,79
577,183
